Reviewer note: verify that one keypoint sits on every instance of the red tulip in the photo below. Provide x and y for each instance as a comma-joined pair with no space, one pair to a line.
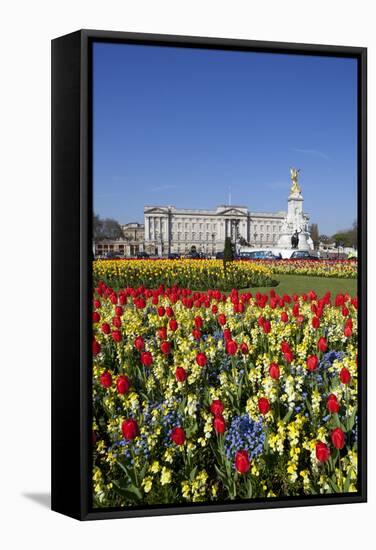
332,403
322,344
118,311
96,317
231,347
116,321
261,321
162,333
165,347
219,424
345,311
227,334
96,347
106,379
139,343
196,333
178,436
116,336
244,348
338,438
315,322
345,375
264,405
201,359
242,462
274,371
180,374
217,407
106,329
285,347
140,304
312,362
122,384
284,317
289,356
198,321
169,311
322,451
146,358
173,324
129,429
222,319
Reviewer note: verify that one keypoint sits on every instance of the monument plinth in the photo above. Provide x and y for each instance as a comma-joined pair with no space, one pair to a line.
295,233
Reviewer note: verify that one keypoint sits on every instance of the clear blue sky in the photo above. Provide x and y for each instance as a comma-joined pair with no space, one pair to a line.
178,126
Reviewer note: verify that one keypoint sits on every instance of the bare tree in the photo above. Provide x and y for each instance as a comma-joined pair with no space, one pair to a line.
107,229
314,231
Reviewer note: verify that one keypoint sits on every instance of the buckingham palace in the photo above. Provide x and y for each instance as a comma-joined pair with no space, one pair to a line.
172,230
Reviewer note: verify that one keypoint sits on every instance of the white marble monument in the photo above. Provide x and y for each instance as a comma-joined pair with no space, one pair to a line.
294,231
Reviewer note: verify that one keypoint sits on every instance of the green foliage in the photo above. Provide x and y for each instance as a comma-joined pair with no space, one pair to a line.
228,253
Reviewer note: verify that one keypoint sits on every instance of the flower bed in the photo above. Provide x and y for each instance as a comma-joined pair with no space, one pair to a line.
201,397
195,274
342,269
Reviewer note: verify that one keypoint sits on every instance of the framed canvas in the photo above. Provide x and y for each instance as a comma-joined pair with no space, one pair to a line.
208,274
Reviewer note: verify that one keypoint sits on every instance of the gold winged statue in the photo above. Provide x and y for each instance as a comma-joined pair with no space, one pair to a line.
295,189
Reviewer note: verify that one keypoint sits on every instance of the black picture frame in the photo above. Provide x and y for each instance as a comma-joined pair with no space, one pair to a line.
71,273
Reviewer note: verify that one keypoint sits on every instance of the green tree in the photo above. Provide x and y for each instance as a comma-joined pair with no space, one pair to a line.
228,253
347,237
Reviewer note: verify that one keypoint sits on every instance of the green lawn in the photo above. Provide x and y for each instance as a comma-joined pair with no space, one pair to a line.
290,284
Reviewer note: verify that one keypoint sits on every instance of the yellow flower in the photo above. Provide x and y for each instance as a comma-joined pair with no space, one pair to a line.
165,476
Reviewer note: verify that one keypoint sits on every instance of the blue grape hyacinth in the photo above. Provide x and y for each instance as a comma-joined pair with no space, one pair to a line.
244,434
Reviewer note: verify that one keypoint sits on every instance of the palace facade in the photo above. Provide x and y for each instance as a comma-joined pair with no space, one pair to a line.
172,230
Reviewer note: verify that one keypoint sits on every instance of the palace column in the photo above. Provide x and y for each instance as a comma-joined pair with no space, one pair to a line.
147,229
